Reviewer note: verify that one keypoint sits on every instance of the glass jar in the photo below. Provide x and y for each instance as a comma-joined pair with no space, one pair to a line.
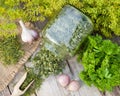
65,33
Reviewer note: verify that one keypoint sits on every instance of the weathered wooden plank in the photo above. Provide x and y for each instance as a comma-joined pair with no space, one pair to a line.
16,79
84,90
115,92
52,87
5,92
67,71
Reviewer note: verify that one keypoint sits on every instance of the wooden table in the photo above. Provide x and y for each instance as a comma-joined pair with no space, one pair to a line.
50,85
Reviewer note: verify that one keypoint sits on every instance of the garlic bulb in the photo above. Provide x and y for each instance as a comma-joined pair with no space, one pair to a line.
64,80
74,86
28,35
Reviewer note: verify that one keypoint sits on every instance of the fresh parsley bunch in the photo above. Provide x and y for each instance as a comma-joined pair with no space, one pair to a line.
101,62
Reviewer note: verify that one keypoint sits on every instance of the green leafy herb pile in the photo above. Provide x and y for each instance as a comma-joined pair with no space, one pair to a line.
28,10
10,50
105,15
45,64
101,62
7,28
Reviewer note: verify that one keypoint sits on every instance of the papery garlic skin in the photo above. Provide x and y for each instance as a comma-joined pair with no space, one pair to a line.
74,85
27,35
34,34
63,80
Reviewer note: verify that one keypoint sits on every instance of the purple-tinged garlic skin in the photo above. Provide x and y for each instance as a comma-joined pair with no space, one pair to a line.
34,34
28,35
63,80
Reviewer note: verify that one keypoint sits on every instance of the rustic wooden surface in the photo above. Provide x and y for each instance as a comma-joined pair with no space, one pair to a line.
50,86
8,72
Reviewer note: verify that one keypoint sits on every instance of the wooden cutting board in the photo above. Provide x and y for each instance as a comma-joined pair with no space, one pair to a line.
8,72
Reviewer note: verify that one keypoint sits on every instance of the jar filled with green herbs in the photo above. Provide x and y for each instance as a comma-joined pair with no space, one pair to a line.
67,31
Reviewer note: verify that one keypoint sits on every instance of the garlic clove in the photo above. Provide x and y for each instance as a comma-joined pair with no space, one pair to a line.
28,35
74,85
63,80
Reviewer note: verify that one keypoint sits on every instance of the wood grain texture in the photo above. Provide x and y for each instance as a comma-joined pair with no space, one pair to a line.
115,92
5,92
85,90
51,87
8,72
16,79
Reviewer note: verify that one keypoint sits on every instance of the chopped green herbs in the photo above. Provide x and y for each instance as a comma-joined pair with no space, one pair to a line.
10,50
45,63
105,15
